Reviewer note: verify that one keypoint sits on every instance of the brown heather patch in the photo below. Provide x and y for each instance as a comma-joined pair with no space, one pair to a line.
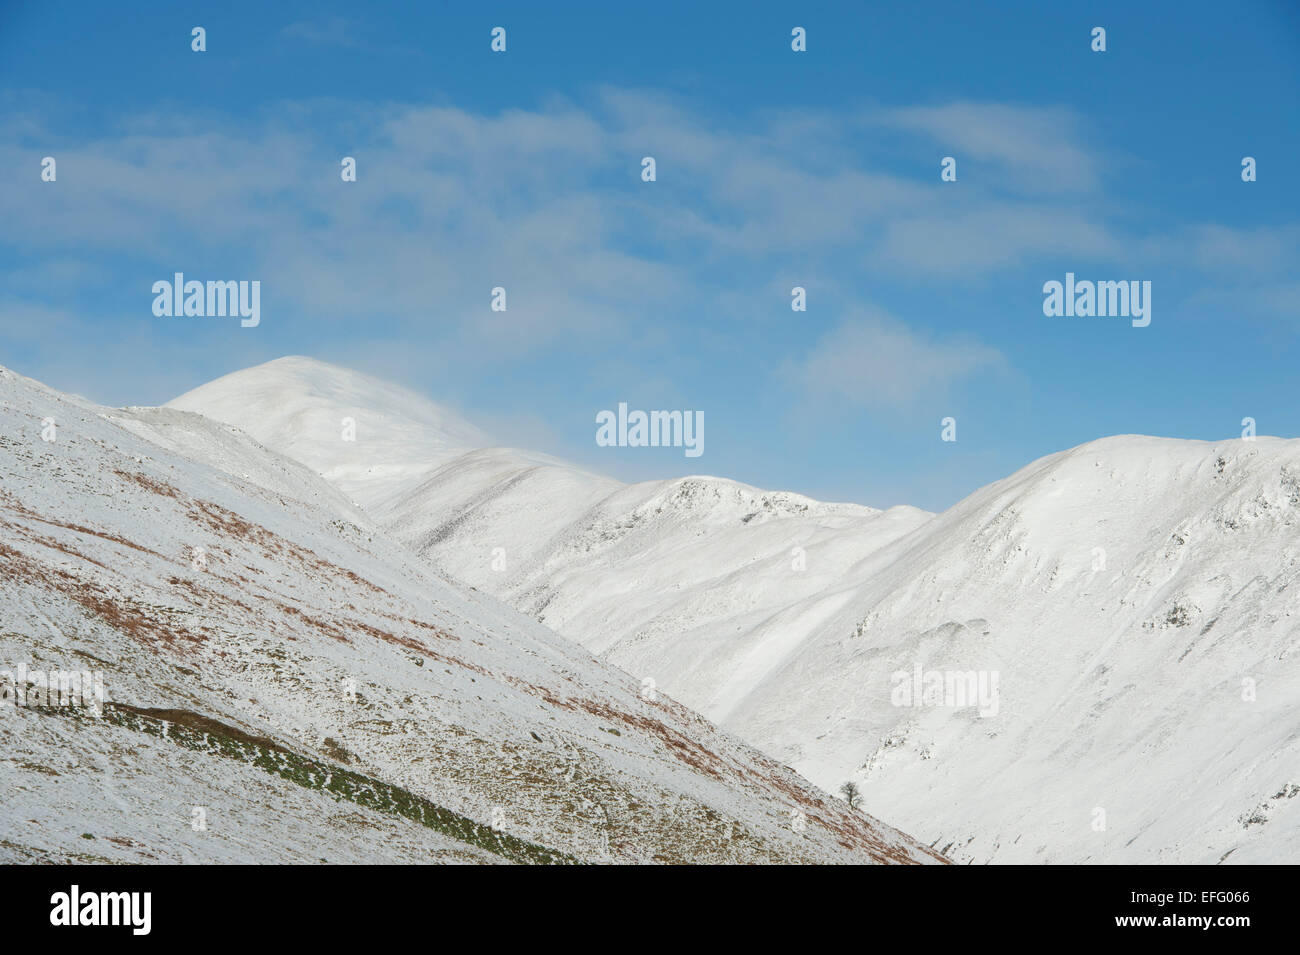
447,660
340,628
25,533
122,615
410,643
118,612
27,513
16,566
434,630
199,594
679,744
149,484
349,575
226,522
140,848
326,627
223,521
539,691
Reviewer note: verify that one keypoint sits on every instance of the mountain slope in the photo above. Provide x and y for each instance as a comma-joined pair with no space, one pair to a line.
687,581
318,694
1138,597
227,448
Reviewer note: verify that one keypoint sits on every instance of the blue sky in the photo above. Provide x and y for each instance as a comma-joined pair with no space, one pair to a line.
775,169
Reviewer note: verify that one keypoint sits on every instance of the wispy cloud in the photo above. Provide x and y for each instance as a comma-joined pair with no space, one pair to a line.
548,203
326,31
1254,251
552,194
874,361
1036,149
986,237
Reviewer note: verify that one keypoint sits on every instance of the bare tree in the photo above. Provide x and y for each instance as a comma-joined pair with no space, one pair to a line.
852,795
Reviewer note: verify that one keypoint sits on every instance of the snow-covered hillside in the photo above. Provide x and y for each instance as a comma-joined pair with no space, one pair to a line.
1120,688
1135,598
1139,599
285,684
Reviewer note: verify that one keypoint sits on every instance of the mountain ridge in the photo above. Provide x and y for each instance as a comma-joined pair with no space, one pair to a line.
1089,578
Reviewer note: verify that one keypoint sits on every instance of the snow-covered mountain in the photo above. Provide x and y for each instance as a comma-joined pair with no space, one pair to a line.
1120,688
1134,598
286,683
303,408
1138,598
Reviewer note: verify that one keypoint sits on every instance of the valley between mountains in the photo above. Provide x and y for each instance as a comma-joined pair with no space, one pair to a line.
419,646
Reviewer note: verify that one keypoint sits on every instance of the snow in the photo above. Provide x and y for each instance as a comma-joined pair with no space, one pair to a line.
1121,688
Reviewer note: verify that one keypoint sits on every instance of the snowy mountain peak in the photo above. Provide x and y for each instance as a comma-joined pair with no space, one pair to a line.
366,436
722,500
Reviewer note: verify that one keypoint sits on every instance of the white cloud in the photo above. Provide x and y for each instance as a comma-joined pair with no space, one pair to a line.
874,361
1263,250
986,237
1037,146
327,31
